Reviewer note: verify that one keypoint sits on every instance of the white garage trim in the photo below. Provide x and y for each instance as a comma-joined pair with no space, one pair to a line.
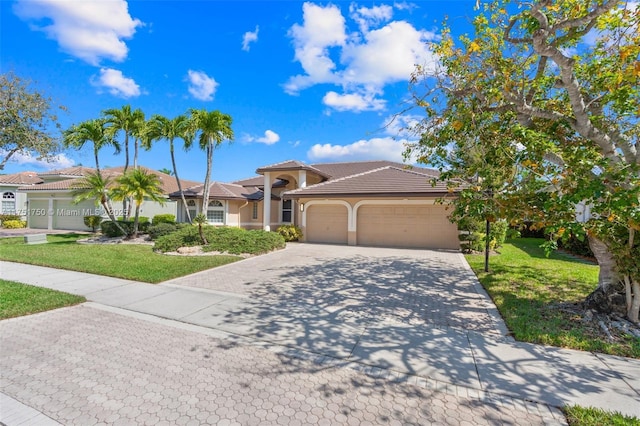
350,219
354,217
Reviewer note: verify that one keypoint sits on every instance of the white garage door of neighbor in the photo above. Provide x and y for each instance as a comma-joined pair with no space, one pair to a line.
38,214
327,224
68,215
406,226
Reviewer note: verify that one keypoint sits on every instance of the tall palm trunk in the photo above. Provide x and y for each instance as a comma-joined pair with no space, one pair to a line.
175,173
207,179
125,202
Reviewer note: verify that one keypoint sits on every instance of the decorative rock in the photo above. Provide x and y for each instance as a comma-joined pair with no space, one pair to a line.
190,250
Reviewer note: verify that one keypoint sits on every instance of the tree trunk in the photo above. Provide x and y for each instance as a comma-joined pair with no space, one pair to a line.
125,211
175,173
609,296
207,179
107,208
135,221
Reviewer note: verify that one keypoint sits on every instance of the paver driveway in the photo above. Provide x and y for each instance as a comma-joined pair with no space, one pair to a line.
319,335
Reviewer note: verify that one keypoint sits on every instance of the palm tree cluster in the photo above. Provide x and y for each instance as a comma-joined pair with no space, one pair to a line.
210,128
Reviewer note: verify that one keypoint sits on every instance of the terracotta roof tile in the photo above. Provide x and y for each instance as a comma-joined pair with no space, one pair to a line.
258,181
22,178
388,181
340,170
70,171
168,183
291,165
224,191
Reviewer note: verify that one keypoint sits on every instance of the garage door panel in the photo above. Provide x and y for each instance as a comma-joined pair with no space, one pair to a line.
327,224
406,226
38,214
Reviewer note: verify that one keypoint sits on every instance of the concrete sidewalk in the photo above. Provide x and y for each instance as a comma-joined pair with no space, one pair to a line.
472,361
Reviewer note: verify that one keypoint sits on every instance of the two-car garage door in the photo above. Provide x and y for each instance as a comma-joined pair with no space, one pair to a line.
424,226
413,226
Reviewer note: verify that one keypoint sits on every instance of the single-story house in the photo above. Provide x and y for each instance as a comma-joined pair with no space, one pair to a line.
49,203
376,203
14,202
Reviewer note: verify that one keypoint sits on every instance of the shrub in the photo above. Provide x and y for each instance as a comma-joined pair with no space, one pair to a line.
498,232
576,246
92,222
513,233
223,239
290,232
161,229
14,224
4,217
109,229
163,218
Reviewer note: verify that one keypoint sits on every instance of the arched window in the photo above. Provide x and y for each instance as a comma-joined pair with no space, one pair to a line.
8,203
215,212
191,206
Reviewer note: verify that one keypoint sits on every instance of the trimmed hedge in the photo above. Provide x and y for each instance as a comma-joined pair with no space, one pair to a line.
162,229
163,218
92,222
224,239
4,217
290,232
110,230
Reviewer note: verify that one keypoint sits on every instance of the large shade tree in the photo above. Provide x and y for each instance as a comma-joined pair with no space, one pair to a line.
546,95
161,127
212,127
26,120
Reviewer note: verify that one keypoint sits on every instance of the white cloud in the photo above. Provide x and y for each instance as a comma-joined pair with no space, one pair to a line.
323,27
373,149
89,30
365,17
201,86
403,125
248,38
58,161
353,102
270,137
116,83
361,62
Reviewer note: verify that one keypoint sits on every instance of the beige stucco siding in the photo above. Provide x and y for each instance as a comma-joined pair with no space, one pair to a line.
326,223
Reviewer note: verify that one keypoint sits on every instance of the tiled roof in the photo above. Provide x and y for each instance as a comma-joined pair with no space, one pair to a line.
168,183
340,170
22,178
224,191
70,171
258,181
290,165
388,181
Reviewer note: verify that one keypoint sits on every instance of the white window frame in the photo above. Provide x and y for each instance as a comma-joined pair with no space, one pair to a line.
8,199
215,206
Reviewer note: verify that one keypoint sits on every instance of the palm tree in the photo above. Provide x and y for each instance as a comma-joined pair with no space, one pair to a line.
214,127
138,184
166,171
94,131
95,187
180,127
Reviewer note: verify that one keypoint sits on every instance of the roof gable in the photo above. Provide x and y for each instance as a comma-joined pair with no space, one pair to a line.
384,181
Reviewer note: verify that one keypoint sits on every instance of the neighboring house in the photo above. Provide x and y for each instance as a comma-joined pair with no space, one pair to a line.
377,203
14,202
49,204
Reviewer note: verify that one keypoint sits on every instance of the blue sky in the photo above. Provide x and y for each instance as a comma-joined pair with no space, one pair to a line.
315,82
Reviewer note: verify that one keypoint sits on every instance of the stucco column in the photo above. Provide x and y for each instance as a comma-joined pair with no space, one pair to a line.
302,179
50,214
266,214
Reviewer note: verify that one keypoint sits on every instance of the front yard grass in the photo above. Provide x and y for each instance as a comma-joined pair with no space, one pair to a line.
581,416
128,261
21,299
527,287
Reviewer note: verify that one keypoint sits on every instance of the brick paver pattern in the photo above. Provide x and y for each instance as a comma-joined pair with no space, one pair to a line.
84,366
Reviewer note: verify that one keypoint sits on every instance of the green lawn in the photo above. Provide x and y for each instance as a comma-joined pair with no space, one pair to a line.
580,416
129,261
525,285
20,299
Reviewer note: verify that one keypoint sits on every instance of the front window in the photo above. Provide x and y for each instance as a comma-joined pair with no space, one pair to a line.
254,214
8,203
215,212
286,211
191,206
